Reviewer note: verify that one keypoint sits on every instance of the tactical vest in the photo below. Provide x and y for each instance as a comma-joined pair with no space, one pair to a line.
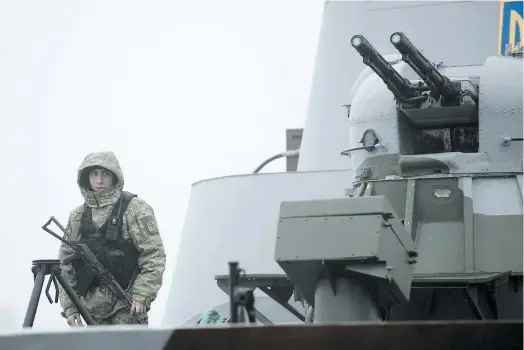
118,256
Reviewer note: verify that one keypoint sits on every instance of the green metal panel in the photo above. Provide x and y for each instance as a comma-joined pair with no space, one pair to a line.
440,248
498,242
333,207
329,238
432,203
356,232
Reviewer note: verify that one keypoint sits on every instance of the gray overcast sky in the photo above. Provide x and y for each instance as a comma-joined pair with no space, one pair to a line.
179,90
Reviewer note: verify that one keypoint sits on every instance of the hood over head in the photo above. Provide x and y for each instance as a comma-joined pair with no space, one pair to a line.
106,160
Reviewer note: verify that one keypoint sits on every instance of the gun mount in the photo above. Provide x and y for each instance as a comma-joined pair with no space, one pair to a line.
450,102
432,102
401,88
439,84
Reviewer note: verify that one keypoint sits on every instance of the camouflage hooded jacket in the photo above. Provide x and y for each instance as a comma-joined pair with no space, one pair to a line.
139,225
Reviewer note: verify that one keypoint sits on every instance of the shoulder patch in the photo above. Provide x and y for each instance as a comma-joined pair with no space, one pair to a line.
149,224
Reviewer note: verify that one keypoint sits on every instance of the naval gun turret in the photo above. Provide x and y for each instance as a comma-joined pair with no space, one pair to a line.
432,228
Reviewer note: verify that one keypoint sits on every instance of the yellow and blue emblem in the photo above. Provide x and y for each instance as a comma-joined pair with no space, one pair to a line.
510,28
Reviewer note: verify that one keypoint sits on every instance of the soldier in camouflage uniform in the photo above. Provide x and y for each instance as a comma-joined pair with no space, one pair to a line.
135,255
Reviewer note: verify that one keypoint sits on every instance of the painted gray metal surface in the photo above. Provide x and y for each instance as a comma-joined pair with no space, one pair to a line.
350,302
235,218
500,110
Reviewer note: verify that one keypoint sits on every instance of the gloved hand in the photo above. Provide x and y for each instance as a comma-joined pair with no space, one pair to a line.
74,320
138,308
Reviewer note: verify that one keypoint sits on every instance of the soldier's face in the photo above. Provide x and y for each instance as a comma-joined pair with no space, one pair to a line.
100,180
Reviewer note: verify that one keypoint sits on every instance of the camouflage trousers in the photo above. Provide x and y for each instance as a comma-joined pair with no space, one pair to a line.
119,317
106,308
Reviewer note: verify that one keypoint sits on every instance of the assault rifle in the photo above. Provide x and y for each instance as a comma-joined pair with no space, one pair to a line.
82,251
